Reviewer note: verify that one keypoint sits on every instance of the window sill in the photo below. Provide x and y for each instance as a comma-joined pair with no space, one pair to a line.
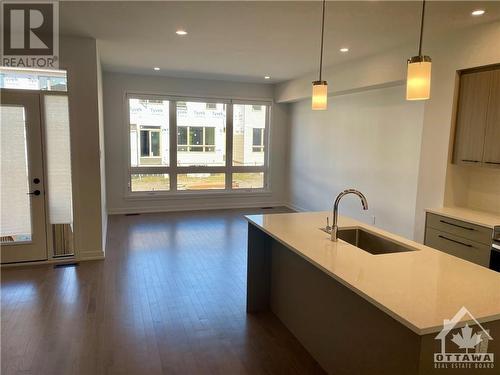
196,194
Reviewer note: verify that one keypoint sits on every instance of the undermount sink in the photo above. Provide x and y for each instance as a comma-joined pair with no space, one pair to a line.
370,242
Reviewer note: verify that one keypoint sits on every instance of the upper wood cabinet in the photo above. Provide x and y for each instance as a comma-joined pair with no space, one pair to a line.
492,139
477,134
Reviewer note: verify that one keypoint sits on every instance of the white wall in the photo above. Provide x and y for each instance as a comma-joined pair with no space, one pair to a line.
102,161
116,85
472,47
352,145
79,58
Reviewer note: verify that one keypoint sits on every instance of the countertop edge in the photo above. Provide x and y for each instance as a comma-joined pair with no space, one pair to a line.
444,212
419,331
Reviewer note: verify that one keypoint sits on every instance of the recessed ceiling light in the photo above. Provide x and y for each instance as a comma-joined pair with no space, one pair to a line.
478,12
267,77
344,49
181,32
156,68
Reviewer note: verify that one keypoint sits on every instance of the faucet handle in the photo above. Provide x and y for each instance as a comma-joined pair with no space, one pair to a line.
328,228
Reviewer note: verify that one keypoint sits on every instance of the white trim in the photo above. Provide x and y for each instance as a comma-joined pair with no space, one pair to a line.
202,98
197,194
184,207
58,260
91,255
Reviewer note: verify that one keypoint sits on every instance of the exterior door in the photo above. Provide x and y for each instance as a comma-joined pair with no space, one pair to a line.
23,234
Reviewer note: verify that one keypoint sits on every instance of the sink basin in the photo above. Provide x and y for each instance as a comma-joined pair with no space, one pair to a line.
370,242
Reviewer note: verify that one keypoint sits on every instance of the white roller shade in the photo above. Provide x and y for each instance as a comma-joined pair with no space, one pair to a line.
58,154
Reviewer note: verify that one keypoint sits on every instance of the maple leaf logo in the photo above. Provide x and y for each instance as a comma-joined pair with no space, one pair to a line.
466,340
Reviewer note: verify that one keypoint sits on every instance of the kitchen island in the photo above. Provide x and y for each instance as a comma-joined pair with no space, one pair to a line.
360,313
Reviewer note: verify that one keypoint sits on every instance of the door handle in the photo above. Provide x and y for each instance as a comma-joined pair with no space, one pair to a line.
449,239
36,192
455,225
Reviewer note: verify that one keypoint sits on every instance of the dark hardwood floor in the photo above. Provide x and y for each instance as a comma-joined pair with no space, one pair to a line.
168,299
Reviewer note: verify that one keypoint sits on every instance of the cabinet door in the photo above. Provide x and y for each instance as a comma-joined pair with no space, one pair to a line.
492,140
471,118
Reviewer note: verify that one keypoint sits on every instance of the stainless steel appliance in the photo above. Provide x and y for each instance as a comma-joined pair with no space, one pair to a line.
495,250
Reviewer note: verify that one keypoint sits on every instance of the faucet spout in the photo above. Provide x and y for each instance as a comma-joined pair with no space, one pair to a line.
335,226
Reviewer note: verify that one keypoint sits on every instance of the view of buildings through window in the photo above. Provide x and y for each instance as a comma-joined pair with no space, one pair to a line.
27,79
201,144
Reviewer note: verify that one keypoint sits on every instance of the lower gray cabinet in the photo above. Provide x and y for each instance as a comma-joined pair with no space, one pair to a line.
461,239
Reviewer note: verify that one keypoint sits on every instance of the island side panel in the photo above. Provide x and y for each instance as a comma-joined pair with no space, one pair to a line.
343,332
258,270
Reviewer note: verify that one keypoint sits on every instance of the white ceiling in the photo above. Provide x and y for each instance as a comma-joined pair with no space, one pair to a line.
245,40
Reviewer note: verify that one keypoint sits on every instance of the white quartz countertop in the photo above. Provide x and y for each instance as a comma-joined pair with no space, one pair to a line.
485,219
418,288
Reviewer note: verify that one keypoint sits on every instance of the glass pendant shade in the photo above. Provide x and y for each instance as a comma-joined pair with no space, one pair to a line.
418,80
320,95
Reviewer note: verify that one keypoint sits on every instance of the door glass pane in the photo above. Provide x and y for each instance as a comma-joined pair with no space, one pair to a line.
182,138
248,180
201,181
196,135
149,132
59,186
149,182
201,134
209,138
144,143
15,202
249,123
155,143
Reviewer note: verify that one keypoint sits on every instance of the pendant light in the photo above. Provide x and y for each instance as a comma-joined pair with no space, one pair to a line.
320,87
418,79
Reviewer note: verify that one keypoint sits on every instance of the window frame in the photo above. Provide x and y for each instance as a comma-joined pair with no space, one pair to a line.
173,169
203,145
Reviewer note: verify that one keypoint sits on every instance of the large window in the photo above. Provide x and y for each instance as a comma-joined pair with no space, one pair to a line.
194,145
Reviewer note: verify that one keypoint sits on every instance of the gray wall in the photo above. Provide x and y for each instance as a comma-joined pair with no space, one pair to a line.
369,141
439,182
116,85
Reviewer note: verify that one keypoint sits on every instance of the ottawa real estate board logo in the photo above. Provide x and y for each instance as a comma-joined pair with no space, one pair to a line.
30,34
468,345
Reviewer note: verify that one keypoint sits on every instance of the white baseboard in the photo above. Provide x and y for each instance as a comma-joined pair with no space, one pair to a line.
91,255
184,207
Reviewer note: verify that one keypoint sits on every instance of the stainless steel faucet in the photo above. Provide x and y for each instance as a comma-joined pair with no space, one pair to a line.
335,226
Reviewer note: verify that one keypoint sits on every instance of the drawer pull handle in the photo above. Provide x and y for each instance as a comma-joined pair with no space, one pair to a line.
491,162
470,161
449,239
456,225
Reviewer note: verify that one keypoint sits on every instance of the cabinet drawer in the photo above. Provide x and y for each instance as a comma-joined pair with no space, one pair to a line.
460,247
460,228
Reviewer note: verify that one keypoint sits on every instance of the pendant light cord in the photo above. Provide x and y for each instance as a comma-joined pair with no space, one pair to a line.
421,29
322,37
